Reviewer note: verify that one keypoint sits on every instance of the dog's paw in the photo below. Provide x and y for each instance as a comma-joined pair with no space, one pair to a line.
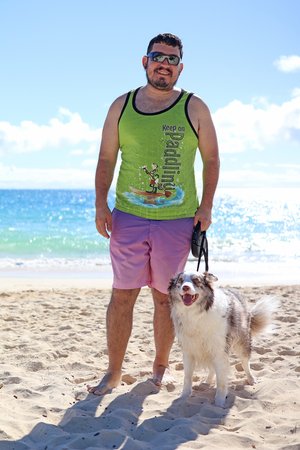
220,401
185,394
251,380
210,379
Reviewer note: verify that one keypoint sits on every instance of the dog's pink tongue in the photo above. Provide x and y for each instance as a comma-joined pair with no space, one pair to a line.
188,299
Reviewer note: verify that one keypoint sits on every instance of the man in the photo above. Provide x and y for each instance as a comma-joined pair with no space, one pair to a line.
161,126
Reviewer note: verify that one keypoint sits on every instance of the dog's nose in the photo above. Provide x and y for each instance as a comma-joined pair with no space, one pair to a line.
185,288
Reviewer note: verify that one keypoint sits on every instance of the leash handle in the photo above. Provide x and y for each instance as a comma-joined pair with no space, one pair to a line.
203,251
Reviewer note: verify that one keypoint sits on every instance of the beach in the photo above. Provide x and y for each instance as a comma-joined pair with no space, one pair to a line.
53,344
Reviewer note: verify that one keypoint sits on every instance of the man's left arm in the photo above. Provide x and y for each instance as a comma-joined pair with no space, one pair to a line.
208,146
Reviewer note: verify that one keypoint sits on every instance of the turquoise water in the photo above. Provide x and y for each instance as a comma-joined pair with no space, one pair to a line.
48,223
56,227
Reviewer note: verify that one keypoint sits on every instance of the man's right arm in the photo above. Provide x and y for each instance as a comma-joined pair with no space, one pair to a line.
106,165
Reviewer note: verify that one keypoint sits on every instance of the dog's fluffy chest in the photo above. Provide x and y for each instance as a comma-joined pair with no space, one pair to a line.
201,334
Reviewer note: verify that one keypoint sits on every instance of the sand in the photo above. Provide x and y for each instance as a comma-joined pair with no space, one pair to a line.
53,344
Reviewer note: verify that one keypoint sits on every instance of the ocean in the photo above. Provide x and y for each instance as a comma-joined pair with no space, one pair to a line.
46,230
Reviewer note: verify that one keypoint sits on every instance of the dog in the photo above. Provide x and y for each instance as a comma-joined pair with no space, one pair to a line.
210,323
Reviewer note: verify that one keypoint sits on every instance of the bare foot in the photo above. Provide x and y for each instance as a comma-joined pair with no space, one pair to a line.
162,375
108,382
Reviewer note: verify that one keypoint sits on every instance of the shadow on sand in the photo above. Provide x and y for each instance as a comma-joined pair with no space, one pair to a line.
131,421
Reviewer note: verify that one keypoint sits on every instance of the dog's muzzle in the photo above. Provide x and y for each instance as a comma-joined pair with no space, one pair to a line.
188,298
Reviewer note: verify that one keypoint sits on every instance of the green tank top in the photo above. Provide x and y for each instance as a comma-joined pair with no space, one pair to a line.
156,178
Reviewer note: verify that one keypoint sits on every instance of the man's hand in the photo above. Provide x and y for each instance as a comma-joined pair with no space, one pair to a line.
103,221
203,215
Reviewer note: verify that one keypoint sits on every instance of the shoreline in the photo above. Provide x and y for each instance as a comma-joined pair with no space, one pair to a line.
48,284
229,273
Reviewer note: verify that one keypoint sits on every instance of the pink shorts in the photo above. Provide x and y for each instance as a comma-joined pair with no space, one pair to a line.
146,252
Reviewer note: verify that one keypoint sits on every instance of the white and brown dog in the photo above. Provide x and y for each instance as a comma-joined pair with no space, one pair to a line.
209,323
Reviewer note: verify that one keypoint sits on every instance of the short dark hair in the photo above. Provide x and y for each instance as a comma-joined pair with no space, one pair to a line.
166,38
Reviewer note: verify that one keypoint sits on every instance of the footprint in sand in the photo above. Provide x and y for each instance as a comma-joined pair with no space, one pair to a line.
289,353
289,319
179,366
35,366
128,379
254,366
262,351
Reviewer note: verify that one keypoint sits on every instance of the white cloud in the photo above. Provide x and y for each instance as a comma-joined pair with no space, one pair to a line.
21,178
256,178
259,178
288,63
89,150
68,129
77,152
240,127
289,166
243,126
89,163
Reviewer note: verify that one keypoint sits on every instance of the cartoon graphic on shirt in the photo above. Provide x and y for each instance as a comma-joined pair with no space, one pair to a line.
154,178
150,196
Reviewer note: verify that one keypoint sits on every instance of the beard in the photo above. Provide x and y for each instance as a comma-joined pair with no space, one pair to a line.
161,83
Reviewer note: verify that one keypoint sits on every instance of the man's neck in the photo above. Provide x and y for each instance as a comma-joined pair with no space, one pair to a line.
156,94
151,100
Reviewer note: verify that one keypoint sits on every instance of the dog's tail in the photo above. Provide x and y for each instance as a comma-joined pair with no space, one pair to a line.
261,314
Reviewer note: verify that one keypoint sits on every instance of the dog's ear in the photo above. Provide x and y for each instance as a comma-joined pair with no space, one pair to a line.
209,278
173,282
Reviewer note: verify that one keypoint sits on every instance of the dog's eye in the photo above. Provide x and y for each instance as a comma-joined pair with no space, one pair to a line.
197,282
179,281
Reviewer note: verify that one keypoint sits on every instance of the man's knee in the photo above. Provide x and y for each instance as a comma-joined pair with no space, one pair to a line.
160,299
124,296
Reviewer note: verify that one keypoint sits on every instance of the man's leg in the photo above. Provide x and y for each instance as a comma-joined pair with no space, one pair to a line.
118,329
170,246
163,336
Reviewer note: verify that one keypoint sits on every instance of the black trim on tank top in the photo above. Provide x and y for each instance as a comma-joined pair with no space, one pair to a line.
187,114
125,104
158,112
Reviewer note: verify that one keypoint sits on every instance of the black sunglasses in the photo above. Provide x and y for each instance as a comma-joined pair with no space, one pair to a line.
173,60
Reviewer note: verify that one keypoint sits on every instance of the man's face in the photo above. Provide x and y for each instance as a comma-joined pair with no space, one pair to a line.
162,75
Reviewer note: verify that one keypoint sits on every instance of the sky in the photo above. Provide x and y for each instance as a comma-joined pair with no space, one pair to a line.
63,62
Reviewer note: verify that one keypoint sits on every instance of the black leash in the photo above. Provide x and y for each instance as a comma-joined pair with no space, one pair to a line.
203,250
199,245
